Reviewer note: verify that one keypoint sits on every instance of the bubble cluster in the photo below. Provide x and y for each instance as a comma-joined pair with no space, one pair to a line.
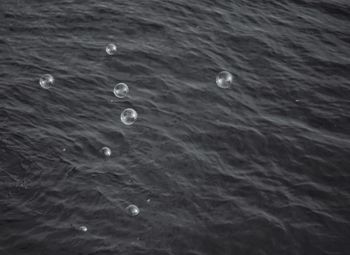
128,116
111,49
121,90
224,80
106,151
132,210
46,81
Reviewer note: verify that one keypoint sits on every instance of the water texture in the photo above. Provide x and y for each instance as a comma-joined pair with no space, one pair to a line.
261,168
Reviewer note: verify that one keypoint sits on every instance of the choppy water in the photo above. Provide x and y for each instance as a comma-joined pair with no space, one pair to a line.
262,168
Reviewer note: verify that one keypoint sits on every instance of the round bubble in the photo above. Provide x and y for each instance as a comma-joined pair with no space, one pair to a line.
224,79
111,49
46,81
132,210
128,116
83,228
121,90
106,151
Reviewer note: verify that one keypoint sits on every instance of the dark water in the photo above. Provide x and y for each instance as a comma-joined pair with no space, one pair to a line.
262,168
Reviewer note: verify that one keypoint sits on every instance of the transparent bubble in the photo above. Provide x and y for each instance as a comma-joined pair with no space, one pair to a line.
46,81
111,49
224,79
121,90
106,151
132,210
128,116
83,228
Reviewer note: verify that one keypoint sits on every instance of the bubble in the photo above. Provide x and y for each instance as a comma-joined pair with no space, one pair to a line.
106,151
148,200
132,210
128,116
111,49
121,90
46,81
224,79
83,228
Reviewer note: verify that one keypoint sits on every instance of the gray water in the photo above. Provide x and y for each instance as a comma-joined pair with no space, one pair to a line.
261,168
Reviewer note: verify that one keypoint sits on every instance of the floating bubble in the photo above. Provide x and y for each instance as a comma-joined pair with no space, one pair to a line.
132,210
83,228
111,49
46,81
106,151
121,90
148,200
128,116
224,79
